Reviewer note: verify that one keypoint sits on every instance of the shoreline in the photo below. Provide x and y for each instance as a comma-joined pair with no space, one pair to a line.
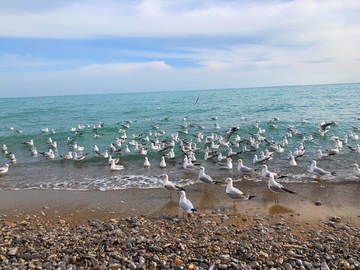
81,206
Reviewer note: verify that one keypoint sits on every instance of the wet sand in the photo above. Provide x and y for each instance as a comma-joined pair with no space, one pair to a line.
80,206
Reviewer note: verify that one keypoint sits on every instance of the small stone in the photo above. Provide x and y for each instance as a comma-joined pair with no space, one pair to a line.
270,263
318,203
254,265
191,267
178,262
178,267
223,266
13,251
132,266
324,266
94,262
288,266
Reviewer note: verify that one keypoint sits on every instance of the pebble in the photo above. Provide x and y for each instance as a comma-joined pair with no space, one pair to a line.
173,243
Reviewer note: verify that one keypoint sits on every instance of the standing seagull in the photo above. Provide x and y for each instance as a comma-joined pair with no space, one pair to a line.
185,204
235,193
318,171
168,185
206,179
162,163
276,187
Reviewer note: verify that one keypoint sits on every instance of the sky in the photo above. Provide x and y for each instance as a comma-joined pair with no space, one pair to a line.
113,46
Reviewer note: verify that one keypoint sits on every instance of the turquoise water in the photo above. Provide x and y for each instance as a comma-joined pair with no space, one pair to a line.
290,104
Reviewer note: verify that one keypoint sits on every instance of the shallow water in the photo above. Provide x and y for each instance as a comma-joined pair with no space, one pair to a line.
289,104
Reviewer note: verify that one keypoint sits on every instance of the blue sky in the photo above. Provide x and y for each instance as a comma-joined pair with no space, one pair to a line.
86,47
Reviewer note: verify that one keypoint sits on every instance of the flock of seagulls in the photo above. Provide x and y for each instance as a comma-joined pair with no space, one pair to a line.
213,147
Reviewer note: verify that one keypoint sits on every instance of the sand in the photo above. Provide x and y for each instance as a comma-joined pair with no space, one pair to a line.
80,206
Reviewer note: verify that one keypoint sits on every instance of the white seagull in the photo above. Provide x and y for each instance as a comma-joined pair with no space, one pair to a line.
76,157
4,169
33,151
146,162
185,204
169,185
356,170
235,193
206,179
227,166
114,167
69,156
318,171
28,143
242,168
277,188
162,163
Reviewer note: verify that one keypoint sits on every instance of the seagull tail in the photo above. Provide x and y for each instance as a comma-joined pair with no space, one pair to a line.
287,190
193,210
250,197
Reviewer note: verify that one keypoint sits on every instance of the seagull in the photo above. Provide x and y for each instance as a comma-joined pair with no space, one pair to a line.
224,140
356,170
318,171
95,148
76,157
28,143
4,169
235,193
69,156
33,151
110,160
114,167
45,130
220,157
12,158
53,131
227,166
206,179
169,185
162,163
49,140
127,150
19,131
353,149
335,150
53,145
146,162
277,188
293,161
4,147
266,173
185,204
103,155
70,140
244,169
324,156
49,154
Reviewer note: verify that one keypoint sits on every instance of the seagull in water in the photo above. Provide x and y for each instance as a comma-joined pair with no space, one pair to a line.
277,188
235,193
185,204
227,166
114,167
318,171
4,169
169,185
28,143
206,179
244,169
76,157
356,170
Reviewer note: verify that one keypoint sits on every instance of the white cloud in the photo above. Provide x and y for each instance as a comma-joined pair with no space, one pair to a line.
15,60
119,69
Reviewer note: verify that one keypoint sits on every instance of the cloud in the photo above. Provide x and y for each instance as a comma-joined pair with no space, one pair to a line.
16,61
119,69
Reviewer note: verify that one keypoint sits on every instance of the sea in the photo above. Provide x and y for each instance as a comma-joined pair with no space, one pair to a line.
232,107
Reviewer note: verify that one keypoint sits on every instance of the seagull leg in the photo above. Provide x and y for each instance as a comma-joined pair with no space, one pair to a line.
234,205
183,214
170,195
205,188
318,178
